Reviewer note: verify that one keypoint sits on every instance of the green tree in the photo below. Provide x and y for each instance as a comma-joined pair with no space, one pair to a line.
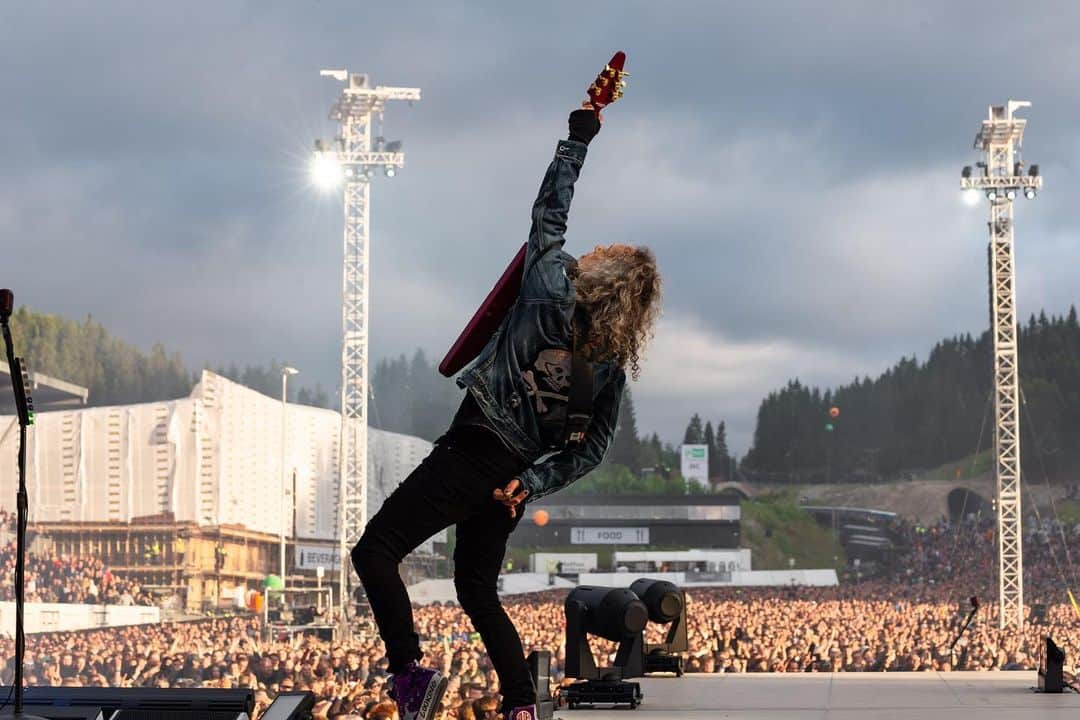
722,454
625,448
695,434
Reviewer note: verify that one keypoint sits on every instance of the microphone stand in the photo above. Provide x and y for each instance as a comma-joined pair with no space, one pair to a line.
970,617
24,408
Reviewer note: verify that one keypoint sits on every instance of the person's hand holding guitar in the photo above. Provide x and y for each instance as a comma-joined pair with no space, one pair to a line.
510,495
604,90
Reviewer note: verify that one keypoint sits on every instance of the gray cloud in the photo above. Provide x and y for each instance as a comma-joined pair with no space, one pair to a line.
794,166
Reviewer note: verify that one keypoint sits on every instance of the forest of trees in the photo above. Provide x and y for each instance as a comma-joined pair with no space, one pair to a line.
117,373
921,415
915,415
411,397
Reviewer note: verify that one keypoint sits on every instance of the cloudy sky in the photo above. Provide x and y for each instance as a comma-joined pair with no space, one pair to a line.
794,165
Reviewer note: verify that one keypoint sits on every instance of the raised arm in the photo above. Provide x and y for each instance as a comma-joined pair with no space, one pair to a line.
552,206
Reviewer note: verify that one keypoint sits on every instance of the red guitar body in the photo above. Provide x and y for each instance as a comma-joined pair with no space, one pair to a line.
486,320
606,89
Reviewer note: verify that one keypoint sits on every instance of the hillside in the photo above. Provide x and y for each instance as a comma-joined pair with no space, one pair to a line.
776,529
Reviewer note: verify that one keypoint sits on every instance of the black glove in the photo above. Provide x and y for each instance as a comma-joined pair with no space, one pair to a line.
583,125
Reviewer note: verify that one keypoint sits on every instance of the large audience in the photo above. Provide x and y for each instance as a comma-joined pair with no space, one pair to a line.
906,619
52,578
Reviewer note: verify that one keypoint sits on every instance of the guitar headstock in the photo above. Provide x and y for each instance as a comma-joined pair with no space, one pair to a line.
609,84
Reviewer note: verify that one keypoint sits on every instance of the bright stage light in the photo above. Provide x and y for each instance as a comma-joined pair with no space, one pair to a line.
1029,193
325,171
971,196
1010,193
390,171
991,194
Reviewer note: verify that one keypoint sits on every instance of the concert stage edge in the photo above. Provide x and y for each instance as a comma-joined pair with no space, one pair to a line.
842,696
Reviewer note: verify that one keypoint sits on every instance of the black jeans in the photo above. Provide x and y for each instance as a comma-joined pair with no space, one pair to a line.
452,485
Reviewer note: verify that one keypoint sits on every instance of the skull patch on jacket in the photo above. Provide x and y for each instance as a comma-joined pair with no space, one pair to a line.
549,377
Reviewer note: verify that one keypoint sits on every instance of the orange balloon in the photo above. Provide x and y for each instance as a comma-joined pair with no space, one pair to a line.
540,517
834,412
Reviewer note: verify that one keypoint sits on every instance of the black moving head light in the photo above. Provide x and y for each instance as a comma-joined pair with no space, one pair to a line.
665,603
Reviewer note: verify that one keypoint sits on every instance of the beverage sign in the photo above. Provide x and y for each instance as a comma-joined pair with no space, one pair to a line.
317,557
695,463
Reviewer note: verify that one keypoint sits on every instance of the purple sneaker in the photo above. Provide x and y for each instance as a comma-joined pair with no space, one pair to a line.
525,712
417,692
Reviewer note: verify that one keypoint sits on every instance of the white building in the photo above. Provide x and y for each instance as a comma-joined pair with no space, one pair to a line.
213,458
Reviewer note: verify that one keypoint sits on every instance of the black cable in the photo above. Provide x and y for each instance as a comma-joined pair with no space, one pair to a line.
974,459
11,689
1046,479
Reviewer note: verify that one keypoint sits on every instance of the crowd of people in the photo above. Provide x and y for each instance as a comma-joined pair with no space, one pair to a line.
906,619
53,578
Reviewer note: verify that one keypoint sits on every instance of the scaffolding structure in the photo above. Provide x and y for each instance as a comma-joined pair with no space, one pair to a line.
357,156
1001,178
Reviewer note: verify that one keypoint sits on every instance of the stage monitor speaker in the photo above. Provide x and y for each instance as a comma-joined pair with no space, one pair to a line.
58,713
144,703
1051,670
290,706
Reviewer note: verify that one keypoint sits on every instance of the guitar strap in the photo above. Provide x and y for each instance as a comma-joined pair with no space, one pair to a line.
579,405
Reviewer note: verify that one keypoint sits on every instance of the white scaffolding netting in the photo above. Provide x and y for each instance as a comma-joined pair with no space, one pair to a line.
213,458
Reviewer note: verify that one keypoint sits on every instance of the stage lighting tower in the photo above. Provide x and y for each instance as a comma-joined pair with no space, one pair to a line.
1001,137
350,160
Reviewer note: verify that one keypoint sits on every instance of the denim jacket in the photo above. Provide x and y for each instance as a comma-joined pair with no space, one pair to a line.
521,378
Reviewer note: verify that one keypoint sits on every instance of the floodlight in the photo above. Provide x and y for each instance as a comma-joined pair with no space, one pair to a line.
325,170
991,194
1029,193
971,196
966,172
390,171
1010,193
393,146
1033,171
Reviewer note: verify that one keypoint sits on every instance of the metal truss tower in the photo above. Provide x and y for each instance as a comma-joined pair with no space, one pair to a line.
1000,178
353,158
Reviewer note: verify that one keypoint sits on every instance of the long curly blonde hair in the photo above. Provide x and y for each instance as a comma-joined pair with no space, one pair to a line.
618,287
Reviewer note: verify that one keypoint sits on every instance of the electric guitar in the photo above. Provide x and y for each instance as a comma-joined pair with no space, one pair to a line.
604,90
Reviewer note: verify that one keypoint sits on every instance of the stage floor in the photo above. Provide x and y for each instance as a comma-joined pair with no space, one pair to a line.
843,696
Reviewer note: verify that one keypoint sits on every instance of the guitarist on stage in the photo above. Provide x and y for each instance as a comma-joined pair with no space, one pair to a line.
513,437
